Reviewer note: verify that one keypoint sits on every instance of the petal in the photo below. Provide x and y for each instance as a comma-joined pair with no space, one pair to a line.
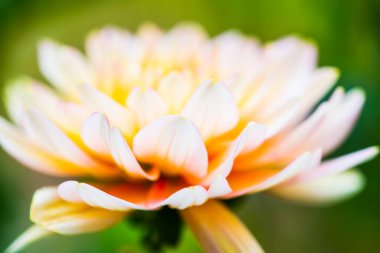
95,133
219,230
25,92
337,165
189,196
117,57
175,88
213,109
249,139
326,190
63,66
124,157
32,234
147,106
53,140
116,113
49,211
75,192
260,179
174,144
31,155
123,197
219,187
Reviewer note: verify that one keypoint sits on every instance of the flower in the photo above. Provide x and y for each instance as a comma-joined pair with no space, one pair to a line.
179,119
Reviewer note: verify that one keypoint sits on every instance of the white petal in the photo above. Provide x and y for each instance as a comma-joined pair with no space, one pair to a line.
219,187
63,66
31,155
147,106
174,144
337,165
326,190
51,212
213,109
175,89
25,92
116,113
95,197
53,140
187,197
124,157
95,133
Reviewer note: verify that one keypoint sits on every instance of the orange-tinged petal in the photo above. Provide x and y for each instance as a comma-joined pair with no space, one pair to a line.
249,139
219,230
174,144
260,179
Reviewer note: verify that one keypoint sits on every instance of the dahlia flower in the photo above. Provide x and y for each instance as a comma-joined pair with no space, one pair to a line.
178,119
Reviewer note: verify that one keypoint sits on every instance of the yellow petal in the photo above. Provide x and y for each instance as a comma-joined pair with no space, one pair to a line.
218,230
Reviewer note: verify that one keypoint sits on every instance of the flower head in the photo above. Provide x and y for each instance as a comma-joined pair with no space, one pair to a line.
176,119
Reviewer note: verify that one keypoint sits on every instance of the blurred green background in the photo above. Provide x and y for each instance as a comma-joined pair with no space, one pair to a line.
348,34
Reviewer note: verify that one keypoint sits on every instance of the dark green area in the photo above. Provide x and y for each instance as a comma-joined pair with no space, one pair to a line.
348,35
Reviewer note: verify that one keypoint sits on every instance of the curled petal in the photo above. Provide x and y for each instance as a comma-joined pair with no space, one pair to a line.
53,140
49,211
95,133
322,191
189,196
219,230
174,144
213,109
